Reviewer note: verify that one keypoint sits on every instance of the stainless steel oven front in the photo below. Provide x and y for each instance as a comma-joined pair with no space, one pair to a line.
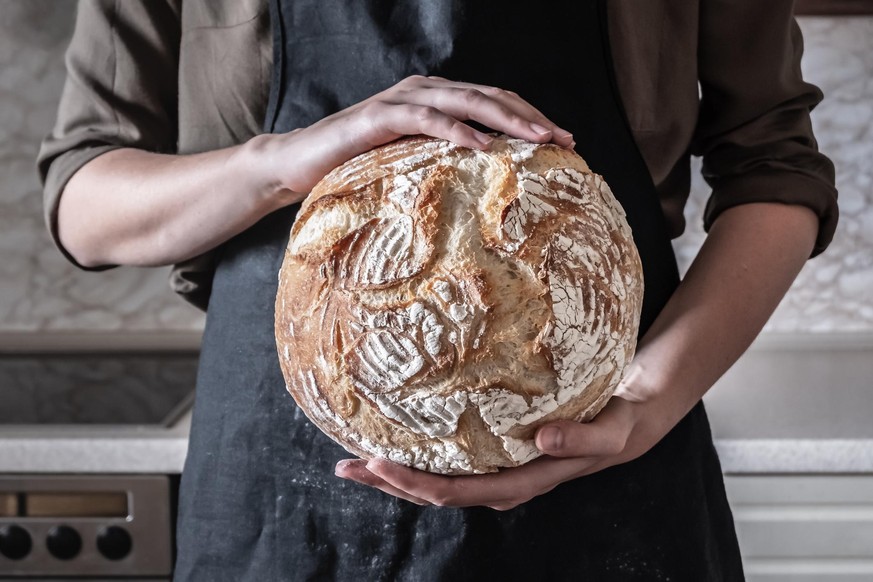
100,526
91,437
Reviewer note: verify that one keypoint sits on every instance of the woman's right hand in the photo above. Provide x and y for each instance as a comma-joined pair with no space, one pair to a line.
176,207
416,105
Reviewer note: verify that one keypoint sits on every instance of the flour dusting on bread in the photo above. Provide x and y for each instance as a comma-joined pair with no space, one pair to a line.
438,304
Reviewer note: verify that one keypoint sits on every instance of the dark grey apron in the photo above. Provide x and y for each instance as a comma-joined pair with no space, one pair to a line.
259,500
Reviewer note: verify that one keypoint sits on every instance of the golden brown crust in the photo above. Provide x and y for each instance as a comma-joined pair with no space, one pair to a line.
437,305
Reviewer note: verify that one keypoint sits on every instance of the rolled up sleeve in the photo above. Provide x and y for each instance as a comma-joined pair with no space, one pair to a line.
120,91
754,131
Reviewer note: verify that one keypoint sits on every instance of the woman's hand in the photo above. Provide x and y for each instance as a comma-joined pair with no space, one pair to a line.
416,105
176,207
622,431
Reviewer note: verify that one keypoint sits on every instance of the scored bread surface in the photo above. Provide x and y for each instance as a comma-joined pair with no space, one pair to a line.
438,304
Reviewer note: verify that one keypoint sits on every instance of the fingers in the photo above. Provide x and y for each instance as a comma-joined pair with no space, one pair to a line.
516,105
498,109
605,436
436,489
438,107
444,491
501,491
356,470
387,121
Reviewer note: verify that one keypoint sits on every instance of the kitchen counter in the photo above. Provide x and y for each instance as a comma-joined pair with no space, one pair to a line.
92,404
95,449
789,406
797,404
164,452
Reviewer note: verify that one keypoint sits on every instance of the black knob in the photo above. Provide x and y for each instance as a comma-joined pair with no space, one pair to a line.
63,542
15,542
114,542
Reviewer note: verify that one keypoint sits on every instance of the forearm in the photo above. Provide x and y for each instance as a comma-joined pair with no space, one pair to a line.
139,208
749,260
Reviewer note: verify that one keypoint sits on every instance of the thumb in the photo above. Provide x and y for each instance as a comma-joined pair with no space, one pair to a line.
606,435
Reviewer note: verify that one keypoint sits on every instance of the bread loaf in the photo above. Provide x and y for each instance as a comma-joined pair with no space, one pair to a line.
438,304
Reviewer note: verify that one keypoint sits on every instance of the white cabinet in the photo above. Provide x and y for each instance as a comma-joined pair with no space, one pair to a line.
804,528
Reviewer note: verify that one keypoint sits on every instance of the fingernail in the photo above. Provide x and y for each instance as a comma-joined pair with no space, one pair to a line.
551,438
539,128
561,133
572,145
485,140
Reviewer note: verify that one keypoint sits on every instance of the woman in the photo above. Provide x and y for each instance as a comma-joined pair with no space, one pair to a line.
637,494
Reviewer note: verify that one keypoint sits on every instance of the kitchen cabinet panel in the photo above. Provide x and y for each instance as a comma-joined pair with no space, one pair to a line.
809,571
804,528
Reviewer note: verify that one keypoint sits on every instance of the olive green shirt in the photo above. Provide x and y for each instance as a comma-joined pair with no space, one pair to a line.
714,78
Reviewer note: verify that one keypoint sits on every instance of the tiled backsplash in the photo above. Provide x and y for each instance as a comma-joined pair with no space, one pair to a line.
39,291
834,292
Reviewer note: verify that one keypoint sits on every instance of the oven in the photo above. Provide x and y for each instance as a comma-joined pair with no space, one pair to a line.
77,525
91,445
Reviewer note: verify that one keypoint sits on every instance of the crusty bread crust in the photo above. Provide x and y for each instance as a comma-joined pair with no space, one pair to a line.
438,304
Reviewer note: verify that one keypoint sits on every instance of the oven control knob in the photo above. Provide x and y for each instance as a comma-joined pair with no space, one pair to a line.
15,542
63,542
114,542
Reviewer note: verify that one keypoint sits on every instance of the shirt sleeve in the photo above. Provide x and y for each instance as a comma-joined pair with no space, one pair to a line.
754,131
120,91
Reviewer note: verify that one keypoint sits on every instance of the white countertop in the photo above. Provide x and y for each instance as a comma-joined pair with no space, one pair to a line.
156,454
163,451
95,450
797,404
786,407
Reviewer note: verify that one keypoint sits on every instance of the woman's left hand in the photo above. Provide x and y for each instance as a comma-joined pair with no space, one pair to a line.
751,256
625,429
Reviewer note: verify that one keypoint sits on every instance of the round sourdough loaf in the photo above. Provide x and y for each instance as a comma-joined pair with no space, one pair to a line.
438,304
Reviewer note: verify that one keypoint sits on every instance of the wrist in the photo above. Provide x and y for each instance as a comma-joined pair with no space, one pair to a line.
662,391
638,384
264,160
